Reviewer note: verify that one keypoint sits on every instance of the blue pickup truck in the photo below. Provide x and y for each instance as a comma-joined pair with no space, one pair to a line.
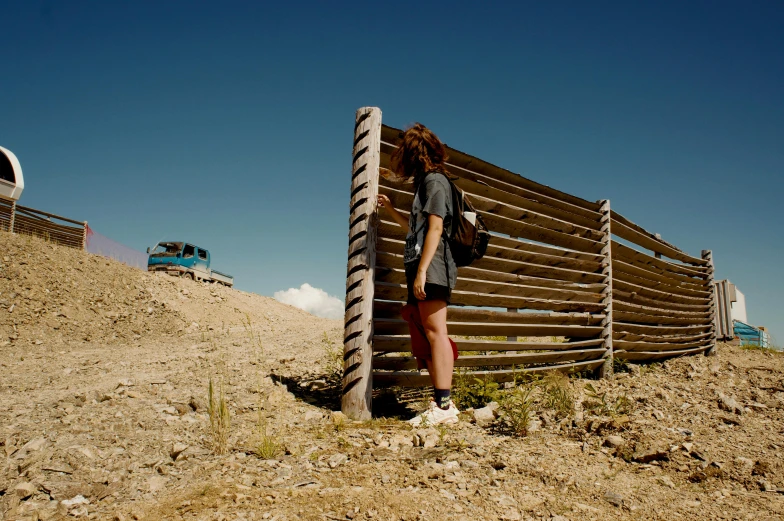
185,260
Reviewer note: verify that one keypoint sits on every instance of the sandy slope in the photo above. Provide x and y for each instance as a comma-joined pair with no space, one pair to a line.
105,369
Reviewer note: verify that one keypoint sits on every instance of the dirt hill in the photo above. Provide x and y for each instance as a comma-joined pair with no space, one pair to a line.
105,377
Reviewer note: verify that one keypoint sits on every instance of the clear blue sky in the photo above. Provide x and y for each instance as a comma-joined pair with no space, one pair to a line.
229,124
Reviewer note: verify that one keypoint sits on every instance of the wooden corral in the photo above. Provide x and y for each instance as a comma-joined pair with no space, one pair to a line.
553,277
28,221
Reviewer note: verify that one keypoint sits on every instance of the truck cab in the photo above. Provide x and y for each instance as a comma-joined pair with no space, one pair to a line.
183,259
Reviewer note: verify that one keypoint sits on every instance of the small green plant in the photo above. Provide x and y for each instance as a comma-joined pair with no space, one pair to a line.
601,403
333,355
620,365
267,446
220,419
474,392
558,394
517,408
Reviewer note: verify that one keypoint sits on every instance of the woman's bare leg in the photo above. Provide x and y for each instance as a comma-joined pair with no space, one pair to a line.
433,313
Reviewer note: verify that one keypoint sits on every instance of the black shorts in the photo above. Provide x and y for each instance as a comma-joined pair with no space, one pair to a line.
432,291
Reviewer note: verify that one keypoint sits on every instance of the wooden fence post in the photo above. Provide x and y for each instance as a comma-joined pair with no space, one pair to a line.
363,223
708,256
84,236
13,215
606,369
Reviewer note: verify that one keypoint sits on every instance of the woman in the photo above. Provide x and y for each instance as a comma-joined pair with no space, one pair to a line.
430,271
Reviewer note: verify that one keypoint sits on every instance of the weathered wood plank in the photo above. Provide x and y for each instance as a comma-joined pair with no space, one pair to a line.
357,385
521,254
403,198
416,379
637,300
473,184
385,326
623,276
637,290
500,224
626,316
386,291
630,232
676,281
504,266
639,258
401,363
656,330
514,243
605,370
620,305
386,309
21,208
463,165
707,255
518,290
402,343
641,356
396,275
657,346
670,339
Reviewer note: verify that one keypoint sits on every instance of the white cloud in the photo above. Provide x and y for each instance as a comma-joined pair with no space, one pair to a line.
313,300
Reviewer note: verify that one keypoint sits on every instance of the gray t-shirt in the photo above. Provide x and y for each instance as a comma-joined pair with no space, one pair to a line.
433,198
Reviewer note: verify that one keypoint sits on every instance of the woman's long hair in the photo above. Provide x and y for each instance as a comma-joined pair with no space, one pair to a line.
420,153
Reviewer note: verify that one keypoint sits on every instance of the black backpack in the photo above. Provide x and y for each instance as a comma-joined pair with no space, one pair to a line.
467,241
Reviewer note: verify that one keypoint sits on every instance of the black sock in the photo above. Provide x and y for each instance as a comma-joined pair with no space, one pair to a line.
442,397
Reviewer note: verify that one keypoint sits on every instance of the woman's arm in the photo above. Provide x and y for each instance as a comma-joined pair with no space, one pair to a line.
435,226
384,202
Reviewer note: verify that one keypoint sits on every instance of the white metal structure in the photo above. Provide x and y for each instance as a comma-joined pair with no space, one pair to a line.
11,178
739,307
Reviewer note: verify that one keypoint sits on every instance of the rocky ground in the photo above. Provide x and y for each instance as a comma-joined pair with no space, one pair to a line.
105,375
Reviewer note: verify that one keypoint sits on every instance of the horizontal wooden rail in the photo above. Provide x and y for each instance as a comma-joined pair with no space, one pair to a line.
416,379
505,266
46,214
385,326
402,343
387,309
638,258
517,244
400,363
645,329
43,224
639,291
402,198
511,290
522,254
386,291
624,276
397,276
620,305
658,319
657,346
640,356
671,339
634,299
460,159
650,242
677,281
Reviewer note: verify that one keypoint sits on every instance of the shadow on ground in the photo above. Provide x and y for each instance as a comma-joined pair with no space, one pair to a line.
324,391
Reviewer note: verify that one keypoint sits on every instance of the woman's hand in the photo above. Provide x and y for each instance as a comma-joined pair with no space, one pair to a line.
419,285
384,202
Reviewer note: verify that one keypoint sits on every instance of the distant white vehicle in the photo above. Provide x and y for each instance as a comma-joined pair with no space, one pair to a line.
11,178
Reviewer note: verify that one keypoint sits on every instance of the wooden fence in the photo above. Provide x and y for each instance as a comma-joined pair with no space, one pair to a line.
553,292
59,230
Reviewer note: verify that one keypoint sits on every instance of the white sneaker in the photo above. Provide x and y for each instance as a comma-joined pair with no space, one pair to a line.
435,415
